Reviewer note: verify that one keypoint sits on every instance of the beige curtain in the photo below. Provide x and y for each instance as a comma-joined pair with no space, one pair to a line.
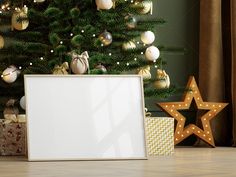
233,68
217,64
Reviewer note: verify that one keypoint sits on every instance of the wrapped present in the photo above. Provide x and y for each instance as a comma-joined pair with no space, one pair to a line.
13,137
160,135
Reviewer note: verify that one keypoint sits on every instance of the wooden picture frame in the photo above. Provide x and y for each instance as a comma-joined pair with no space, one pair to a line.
85,117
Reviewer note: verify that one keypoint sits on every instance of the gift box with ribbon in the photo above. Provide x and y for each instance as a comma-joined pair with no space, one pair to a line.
159,135
13,135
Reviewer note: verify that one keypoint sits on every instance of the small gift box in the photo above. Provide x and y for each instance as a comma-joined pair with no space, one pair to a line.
160,135
13,136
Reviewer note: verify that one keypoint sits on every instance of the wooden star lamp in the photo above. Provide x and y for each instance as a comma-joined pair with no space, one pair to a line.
182,131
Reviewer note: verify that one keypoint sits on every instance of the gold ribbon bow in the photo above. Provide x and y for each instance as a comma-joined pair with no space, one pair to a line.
61,69
12,118
147,114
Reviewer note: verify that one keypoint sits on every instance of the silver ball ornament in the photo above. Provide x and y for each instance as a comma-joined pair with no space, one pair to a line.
105,38
101,68
22,103
131,21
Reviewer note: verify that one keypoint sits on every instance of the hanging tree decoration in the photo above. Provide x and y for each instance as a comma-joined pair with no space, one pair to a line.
147,6
128,45
19,19
152,53
162,80
101,68
148,37
105,38
104,4
10,74
145,72
22,102
5,7
79,63
131,21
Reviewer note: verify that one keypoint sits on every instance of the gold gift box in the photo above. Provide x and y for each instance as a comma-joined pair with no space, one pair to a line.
160,136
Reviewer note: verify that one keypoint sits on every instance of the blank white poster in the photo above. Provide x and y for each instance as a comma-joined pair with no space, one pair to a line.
85,117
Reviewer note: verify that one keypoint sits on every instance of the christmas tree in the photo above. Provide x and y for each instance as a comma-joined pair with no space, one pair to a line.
78,37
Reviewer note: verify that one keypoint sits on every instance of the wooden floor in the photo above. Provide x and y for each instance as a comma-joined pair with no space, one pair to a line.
186,162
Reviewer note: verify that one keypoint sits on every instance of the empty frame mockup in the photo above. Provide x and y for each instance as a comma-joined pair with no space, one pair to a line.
85,117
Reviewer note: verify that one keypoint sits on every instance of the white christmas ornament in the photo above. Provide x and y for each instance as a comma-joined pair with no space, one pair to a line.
104,4
10,74
79,63
152,53
148,37
22,102
128,45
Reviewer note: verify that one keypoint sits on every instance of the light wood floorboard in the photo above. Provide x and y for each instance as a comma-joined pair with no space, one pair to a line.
186,162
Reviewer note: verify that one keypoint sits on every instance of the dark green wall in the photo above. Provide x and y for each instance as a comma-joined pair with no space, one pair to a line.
181,30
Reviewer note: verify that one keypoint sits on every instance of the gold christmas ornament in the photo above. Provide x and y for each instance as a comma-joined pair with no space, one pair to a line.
61,70
162,80
10,74
104,4
182,131
131,21
105,38
1,42
79,63
17,14
128,45
147,7
145,72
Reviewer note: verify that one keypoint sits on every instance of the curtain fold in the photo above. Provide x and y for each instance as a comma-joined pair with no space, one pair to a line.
216,64
233,68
